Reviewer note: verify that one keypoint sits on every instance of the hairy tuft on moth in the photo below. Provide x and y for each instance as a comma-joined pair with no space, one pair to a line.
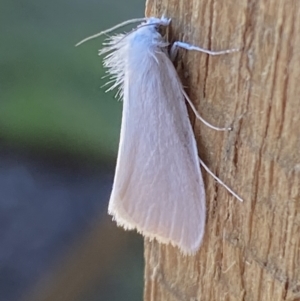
158,188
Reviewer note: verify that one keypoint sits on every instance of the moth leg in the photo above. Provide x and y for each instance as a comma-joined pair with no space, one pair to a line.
187,46
198,116
173,54
219,181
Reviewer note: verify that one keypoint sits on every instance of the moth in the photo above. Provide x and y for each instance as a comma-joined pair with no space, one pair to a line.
158,187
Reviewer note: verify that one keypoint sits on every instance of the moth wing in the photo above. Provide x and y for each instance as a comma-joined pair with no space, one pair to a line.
158,187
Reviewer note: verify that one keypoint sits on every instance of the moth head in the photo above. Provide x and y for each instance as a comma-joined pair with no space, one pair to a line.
159,25
158,22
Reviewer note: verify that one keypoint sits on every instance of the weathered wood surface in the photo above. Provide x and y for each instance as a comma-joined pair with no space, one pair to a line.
250,250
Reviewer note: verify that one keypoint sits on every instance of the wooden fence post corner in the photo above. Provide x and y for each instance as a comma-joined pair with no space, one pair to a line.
251,250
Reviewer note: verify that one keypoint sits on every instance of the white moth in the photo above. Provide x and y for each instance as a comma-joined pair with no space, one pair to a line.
158,188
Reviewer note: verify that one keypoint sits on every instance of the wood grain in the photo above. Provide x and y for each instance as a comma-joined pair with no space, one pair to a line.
251,250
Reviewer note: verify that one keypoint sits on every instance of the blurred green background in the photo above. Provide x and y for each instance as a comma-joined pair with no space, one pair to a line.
50,91
59,135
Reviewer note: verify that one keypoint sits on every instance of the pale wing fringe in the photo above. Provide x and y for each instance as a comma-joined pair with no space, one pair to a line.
118,217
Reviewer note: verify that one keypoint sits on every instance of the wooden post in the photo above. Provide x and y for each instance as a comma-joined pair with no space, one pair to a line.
251,250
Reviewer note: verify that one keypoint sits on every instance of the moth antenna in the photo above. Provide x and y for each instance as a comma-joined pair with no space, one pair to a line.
110,29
